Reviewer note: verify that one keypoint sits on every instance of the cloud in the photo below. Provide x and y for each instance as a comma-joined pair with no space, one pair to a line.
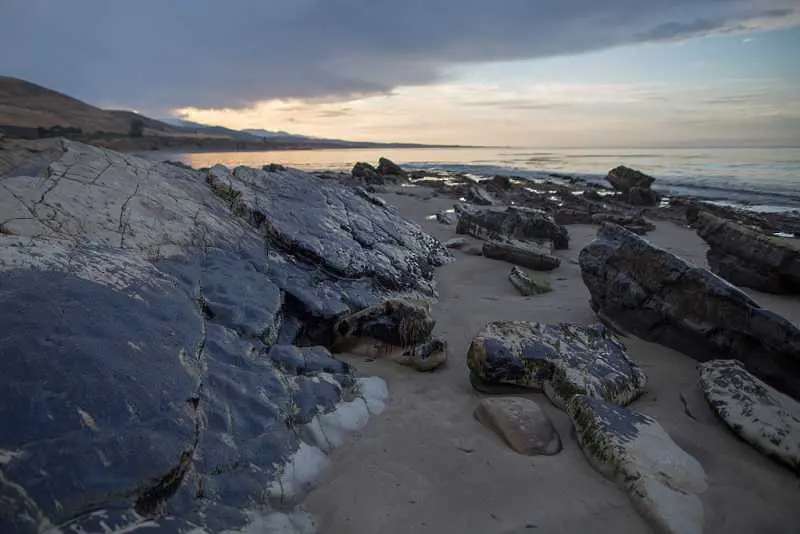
156,55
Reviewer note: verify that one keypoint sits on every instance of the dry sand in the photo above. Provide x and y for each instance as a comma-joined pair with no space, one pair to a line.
427,466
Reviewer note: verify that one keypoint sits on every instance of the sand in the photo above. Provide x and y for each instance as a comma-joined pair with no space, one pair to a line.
427,466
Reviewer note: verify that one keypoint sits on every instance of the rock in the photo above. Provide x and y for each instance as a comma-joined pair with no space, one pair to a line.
461,207
497,184
367,195
367,174
526,283
446,217
478,195
457,242
747,257
527,254
642,196
521,424
635,223
273,167
166,397
634,185
561,359
631,448
513,223
663,298
426,356
760,415
473,249
387,167
398,322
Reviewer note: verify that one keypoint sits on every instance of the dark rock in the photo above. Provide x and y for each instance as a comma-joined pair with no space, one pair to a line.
445,217
634,185
457,242
661,297
387,167
561,359
635,223
497,184
367,174
426,356
368,195
273,167
526,283
478,195
747,257
398,322
513,223
527,254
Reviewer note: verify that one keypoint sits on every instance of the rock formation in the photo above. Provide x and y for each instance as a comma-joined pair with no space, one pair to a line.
526,283
661,297
387,167
634,185
528,254
513,223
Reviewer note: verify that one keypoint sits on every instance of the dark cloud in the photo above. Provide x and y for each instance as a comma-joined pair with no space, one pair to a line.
156,54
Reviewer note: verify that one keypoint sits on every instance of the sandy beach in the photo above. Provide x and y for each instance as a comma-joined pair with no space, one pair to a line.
427,466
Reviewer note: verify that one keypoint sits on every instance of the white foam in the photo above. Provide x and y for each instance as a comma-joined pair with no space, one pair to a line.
374,392
329,430
299,473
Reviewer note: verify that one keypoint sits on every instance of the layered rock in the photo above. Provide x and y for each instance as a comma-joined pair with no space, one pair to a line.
150,309
662,480
634,185
513,223
748,257
526,283
532,255
760,415
561,359
661,297
521,424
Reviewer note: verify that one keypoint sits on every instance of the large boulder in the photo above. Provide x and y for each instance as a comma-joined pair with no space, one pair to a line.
149,310
760,415
631,448
634,185
561,359
480,196
748,257
513,223
528,254
521,424
367,174
663,298
387,167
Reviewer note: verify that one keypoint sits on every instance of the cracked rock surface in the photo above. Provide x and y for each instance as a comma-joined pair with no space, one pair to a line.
161,365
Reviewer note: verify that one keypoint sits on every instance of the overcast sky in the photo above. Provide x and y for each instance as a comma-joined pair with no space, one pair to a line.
515,72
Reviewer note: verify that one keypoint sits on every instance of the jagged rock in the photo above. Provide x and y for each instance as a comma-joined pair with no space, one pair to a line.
631,448
387,167
634,185
526,283
445,217
460,208
457,242
561,359
663,298
747,257
164,398
527,254
635,223
366,173
642,196
760,415
363,193
497,184
513,223
521,424
273,167
478,195
398,322
426,356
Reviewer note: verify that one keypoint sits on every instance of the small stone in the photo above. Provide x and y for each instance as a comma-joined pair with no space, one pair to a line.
521,423
526,283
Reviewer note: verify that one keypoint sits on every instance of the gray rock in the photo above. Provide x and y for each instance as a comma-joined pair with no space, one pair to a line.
526,283
427,356
635,223
367,174
661,297
387,167
521,424
375,199
473,249
514,223
456,242
748,257
446,217
561,359
478,195
760,415
634,185
528,254
398,322
631,448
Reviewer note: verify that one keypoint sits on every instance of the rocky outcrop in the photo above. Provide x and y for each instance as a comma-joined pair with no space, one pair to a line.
446,217
748,257
526,283
561,359
366,174
513,223
478,195
525,253
151,309
397,322
387,167
661,297
521,424
631,448
634,185
760,415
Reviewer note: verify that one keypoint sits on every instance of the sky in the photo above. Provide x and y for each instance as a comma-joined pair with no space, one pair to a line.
533,73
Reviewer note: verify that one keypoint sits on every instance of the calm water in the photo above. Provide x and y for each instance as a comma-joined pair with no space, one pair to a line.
767,178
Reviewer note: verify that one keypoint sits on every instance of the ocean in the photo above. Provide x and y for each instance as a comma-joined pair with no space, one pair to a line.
760,179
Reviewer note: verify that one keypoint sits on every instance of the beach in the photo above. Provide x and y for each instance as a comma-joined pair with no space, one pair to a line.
427,466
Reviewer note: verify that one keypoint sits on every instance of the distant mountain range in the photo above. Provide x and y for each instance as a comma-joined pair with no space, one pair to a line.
29,111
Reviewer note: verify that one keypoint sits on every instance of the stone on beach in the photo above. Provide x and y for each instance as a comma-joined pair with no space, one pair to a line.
387,167
397,322
526,283
661,297
521,424
631,448
524,253
513,223
756,412
426,356
446,217
456,242
634,185
561,359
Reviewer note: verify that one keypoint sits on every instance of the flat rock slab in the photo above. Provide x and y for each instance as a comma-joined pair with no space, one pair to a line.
528,254
756,412
631,448
561,359
526,283
521,424
514,222
661,297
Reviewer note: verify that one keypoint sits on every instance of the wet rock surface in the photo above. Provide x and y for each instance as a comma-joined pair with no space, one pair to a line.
756,412
516,223
149,312
662,480
524,253
661,297
521,424
634,185
526,283
560,359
